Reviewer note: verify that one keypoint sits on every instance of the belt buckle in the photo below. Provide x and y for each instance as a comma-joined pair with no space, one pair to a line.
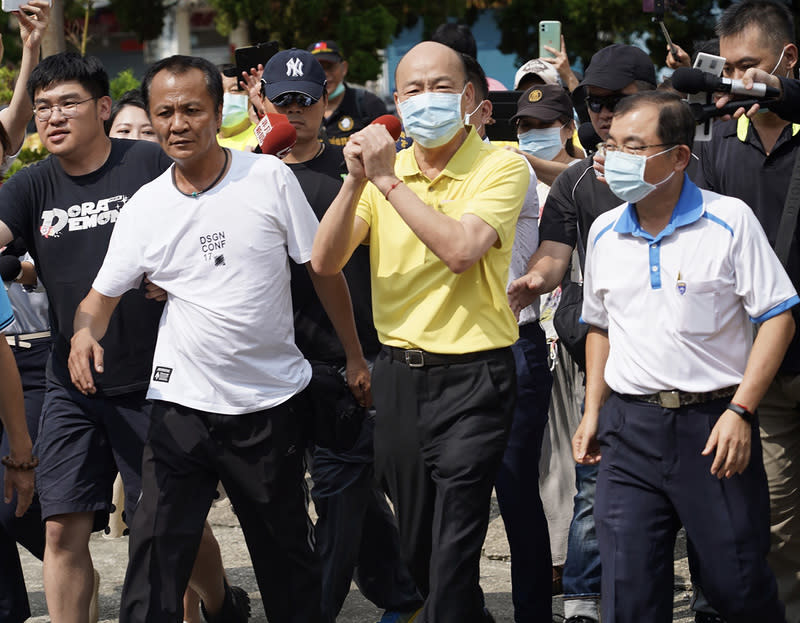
415,358
670,399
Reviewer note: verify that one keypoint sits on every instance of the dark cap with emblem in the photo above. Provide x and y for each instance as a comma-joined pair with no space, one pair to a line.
545,102
326,51
616,66
293,71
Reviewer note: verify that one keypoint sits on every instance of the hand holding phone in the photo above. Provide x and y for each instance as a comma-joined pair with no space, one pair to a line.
549,37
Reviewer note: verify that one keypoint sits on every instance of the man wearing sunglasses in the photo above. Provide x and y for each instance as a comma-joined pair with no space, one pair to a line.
356,534
576,198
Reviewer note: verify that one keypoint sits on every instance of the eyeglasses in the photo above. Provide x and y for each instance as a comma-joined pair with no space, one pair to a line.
67,109
597,103
636,150
286,99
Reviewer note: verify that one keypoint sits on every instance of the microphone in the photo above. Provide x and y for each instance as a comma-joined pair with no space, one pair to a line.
275,135
704,112
391,123
687,80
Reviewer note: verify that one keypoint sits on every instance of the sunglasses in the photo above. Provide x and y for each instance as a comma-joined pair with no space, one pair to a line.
597,103
286,99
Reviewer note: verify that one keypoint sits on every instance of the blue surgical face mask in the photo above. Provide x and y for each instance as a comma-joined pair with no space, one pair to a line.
337,91
432,119
625,175
544,143
234,109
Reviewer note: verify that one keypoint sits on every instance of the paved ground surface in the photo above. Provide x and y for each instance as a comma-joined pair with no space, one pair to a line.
110,558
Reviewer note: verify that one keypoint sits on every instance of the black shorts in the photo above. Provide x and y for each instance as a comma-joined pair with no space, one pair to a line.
83,441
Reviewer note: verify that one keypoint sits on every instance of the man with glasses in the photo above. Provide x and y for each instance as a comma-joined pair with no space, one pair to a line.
356,534
576,198
439,219
65,208
675,280
348,108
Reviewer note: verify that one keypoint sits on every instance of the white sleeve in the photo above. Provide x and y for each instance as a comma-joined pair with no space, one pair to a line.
122,268
761,280
299,219
593,312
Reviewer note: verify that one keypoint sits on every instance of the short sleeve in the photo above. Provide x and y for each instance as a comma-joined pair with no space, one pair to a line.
299,219
761,280
6,313
122,269
593,312
559,215
502,191
365,203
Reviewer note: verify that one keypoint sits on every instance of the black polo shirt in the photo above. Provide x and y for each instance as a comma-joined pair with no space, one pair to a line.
735,163
356,110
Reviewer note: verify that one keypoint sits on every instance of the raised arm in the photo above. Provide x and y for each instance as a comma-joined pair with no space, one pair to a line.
33,20
91,322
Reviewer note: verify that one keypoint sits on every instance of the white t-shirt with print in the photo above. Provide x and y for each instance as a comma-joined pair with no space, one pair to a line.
226,338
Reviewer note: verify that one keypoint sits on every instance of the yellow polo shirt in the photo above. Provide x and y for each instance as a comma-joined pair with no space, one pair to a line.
417,301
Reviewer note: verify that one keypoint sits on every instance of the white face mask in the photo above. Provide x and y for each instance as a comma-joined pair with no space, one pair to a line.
432,119
625,175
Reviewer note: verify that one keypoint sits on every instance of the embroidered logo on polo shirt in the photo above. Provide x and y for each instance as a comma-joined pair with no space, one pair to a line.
162,374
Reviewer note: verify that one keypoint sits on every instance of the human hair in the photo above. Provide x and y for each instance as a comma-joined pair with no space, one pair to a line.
773,19
644,85
88,71
476,76
180,64
129,98
456,36
676,123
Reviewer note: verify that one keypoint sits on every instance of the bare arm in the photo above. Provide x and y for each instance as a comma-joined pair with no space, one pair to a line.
731,434
90,325
334,295
12,414
546,270
585,449
15,118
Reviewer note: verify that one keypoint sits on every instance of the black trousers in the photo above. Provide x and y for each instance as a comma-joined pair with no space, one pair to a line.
440,434
27,530
259,459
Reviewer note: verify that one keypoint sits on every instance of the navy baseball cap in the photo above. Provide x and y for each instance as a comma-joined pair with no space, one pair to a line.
293,71
616,66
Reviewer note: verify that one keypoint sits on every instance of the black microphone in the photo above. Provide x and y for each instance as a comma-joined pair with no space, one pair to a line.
704,112
688,80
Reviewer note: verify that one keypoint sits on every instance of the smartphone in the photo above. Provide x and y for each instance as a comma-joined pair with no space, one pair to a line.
550,36
13,5
710,64
252,56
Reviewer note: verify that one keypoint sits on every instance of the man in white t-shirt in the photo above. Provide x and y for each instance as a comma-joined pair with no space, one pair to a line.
214,231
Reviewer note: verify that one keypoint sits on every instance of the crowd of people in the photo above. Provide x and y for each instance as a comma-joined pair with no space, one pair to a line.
596,322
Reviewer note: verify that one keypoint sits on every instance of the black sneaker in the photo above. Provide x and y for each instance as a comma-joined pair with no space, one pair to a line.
707,617
235,608
580,619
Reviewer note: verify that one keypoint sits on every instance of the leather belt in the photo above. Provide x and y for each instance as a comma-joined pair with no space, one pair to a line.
416,358
674,399
23,340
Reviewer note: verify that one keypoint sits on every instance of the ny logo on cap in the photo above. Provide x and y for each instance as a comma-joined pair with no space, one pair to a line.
294,68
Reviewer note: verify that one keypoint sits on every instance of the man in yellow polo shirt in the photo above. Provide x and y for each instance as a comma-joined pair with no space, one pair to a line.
439,219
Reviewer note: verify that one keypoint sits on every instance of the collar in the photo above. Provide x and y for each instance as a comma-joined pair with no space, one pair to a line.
458,167
743,126
687,210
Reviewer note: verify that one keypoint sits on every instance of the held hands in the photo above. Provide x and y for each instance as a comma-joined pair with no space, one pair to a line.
585,448
370,153
84,350
731,439
359,380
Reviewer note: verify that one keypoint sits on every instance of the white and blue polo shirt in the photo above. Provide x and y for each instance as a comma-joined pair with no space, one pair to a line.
679,306
6,314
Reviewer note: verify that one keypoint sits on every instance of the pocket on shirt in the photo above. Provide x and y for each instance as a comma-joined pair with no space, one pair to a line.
698,308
